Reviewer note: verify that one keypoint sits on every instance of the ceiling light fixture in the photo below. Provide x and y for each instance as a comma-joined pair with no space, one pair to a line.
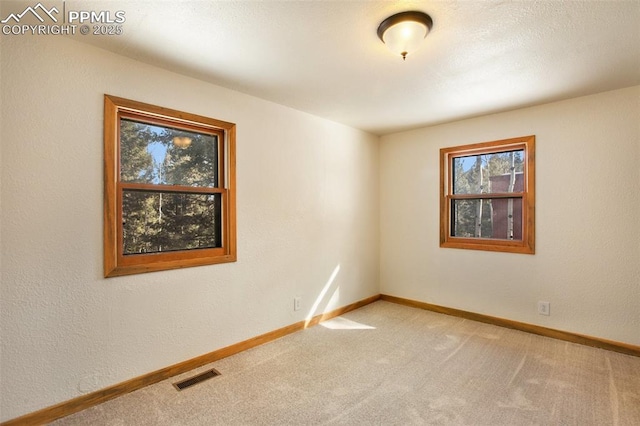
182,141
403,32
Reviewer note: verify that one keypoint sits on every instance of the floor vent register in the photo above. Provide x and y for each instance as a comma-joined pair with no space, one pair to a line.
199,378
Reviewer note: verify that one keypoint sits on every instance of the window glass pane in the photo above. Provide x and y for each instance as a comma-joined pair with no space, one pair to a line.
489,173
167,221
164,155
497,218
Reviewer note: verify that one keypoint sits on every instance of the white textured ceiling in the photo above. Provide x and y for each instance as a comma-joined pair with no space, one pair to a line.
324,57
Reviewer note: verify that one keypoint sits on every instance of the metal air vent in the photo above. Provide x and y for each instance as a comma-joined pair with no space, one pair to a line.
196,379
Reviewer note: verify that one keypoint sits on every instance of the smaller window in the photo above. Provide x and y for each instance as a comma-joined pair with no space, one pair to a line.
169,189
487,196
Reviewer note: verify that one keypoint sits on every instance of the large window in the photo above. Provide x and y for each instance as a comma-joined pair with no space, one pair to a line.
169,189
487,196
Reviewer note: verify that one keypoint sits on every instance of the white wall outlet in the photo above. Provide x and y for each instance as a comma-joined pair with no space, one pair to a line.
544,308
296,303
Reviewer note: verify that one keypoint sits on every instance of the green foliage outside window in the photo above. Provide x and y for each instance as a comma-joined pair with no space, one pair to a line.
156,221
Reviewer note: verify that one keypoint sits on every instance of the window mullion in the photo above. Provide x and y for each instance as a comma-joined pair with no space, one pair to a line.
486,196
169,188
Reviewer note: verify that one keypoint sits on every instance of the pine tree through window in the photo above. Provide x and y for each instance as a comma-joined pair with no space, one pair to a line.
488,197
169,189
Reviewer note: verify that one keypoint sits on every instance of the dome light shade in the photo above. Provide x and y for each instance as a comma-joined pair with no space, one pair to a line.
403,32
182,141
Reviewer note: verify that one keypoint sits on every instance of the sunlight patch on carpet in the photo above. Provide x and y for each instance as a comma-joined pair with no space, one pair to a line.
339,323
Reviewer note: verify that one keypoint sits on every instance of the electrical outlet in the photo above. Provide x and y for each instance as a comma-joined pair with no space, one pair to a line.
544,308
296,303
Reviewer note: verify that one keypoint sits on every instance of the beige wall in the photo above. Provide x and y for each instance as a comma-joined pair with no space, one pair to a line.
587,261
307,206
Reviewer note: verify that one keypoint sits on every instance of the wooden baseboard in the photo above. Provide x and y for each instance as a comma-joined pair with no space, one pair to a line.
529,328
83,402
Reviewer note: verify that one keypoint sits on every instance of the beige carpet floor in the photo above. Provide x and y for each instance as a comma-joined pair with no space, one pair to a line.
386,364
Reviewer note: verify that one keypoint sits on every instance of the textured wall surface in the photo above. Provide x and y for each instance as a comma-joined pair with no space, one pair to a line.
587,261
307,213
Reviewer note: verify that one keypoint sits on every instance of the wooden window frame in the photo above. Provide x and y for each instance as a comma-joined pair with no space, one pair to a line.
527,244
115,262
